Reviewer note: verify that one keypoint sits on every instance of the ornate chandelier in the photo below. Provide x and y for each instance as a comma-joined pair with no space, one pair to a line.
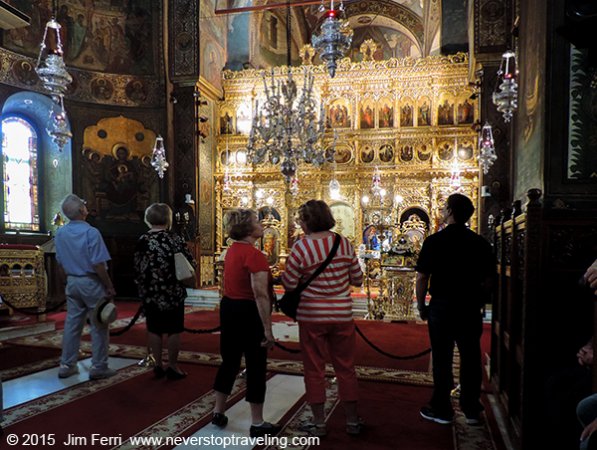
59,129
158,157
335,38
506,96
288,129
487,154
51,68
55,79
334,186
227,180
455,181
377,193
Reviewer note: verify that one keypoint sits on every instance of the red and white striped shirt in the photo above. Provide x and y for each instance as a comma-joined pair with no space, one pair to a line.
327,298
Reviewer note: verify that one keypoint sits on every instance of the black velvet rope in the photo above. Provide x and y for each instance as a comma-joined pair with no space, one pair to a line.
130,324
203,330
218,328
389,355
33,313
286,349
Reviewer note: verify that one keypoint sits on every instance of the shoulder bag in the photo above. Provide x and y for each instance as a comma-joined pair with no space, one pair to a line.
185,272
289,302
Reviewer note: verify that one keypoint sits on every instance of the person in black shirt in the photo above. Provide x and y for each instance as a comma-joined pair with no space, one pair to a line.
457,266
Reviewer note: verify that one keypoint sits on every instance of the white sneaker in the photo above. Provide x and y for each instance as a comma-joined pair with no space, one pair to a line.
67,371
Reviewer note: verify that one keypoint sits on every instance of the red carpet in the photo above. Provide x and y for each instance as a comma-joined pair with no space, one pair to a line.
141,404
395,338
392,421
17,355
123,409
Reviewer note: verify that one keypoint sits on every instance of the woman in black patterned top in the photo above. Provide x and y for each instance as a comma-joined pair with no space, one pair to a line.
162,294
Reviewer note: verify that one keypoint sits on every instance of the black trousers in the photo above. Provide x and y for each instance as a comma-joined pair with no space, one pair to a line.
241,334
449,326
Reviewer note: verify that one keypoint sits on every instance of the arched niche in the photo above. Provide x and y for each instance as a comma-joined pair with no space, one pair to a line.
55,163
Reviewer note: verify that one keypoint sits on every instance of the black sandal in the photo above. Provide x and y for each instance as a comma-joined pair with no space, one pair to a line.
219,420
172,374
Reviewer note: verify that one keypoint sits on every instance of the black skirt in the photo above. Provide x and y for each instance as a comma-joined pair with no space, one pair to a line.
170,321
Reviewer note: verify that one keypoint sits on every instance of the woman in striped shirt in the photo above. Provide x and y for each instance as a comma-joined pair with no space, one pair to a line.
326,326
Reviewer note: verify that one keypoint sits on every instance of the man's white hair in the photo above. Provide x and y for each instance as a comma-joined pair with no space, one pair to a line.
71,206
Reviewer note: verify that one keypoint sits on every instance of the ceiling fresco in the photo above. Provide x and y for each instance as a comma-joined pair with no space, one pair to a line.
257,28
114,36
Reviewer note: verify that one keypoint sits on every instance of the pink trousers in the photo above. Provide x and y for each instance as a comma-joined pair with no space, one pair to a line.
338,341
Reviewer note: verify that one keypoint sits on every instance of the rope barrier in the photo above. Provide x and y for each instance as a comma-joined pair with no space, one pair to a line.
203,331
389,355
218,328
286,349
33,313
130,324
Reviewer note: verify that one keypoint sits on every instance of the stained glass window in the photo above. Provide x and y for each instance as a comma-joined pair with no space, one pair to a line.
19,169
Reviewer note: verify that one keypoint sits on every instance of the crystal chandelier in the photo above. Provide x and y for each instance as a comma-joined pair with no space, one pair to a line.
335,38
506,96
487,154
288,128
158,157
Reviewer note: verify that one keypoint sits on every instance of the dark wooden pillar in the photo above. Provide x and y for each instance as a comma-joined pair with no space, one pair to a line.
183,71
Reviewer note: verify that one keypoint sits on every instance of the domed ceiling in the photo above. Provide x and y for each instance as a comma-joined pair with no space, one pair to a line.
257,29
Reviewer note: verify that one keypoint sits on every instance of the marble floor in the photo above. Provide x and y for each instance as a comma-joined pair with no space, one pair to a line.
24,389
283,391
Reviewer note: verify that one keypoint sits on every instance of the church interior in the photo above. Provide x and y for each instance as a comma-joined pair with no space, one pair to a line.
382,109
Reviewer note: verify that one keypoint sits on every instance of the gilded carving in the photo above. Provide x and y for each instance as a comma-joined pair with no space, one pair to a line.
385,115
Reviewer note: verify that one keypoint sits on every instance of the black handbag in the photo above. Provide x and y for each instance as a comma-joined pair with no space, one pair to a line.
289,302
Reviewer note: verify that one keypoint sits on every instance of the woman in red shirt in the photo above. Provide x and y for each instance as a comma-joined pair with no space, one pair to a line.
245,319
324,313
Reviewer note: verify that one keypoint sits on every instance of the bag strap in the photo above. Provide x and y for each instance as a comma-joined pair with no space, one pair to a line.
301,287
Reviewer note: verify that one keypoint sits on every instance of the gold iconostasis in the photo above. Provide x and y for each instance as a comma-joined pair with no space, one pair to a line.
410,123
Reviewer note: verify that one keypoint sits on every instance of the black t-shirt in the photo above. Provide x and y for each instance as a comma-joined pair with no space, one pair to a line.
458,261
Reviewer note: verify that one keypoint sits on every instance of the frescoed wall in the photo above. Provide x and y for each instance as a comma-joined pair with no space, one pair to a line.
238,32
391,43
213,36
100,35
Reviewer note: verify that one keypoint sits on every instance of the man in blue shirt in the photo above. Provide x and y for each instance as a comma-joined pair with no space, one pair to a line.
457,266
82,256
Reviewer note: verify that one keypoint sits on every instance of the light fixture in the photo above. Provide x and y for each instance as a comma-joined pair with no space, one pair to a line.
335,189
58,128
158,157
334,183
227,180
455,181
294,185
50,65
377,193
505,97
288,129
55,79
335,38
487,155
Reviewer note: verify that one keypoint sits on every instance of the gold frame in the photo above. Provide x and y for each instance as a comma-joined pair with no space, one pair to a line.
422,182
